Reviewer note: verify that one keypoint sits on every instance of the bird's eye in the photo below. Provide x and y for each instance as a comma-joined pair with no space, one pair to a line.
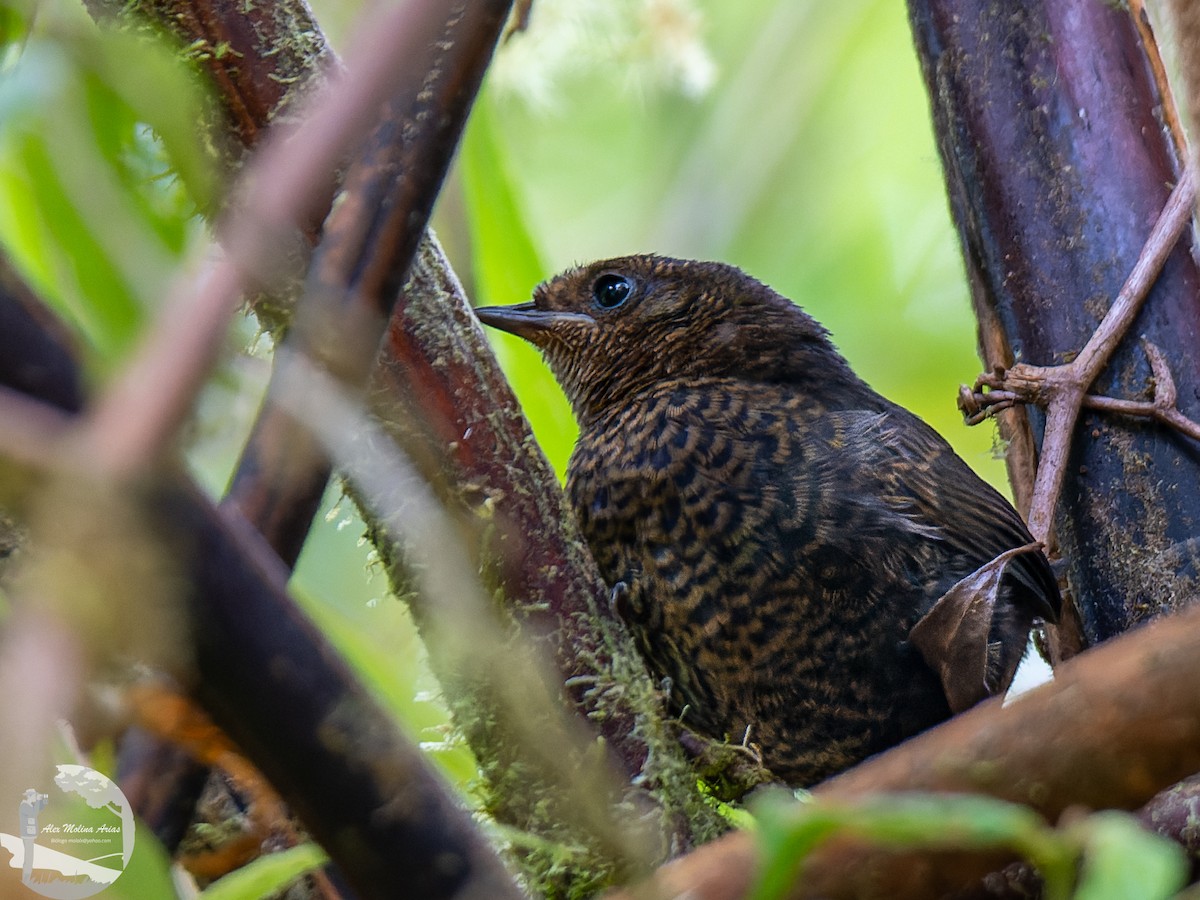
610,291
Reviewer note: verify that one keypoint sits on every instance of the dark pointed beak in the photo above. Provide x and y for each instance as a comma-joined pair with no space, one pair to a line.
526,320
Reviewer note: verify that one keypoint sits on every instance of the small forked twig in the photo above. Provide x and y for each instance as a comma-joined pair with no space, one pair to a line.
1062,390
1161,407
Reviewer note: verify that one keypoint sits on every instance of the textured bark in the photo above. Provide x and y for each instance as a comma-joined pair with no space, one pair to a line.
1058,159
1175,813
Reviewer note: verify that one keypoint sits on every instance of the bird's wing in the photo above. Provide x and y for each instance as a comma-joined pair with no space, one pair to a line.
915,472
983,577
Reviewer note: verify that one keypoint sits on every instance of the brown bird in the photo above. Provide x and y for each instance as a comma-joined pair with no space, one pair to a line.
773,527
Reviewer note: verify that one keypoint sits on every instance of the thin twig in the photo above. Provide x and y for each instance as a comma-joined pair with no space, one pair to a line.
1176,215
1162,407
1079,375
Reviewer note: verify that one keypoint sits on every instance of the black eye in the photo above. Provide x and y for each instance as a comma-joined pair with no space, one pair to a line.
610,291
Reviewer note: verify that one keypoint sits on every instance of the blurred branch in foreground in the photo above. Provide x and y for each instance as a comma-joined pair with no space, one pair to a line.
627,720
270,679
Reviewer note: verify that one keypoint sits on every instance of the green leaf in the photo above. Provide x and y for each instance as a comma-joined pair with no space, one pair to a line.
16,19
1122,859
266,875
505,259
378,667
160,91
94,293
790,830
148,873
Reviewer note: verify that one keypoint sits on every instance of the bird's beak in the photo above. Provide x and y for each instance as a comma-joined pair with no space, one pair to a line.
526,320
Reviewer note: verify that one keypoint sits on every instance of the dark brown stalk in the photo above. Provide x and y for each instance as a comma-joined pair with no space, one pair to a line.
1058,160
271,681
428,201
46,367
1060,144
36,358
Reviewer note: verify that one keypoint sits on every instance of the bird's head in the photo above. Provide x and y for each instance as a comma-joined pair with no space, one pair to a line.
614,328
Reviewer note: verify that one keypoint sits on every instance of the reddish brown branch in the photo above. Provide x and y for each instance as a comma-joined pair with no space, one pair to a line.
227,38
476,446
387,199
367,247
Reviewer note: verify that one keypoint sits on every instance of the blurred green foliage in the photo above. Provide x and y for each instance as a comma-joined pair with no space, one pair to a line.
265,876
1104,856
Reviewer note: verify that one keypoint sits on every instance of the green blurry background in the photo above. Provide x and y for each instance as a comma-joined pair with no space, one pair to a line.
788,137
